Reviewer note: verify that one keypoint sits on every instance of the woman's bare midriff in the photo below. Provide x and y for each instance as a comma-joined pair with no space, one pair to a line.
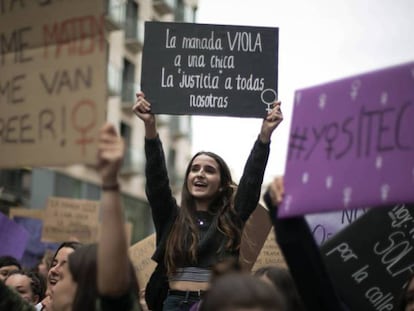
188,286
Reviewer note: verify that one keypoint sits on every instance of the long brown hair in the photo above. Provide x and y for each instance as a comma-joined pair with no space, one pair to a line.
83,268
183,239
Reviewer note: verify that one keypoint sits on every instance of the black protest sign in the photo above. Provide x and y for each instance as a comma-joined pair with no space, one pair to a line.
371,259
203,69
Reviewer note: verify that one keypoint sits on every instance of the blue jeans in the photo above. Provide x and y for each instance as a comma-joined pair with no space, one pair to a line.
178,303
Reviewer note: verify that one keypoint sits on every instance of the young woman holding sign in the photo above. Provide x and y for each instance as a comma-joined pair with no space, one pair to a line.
207,227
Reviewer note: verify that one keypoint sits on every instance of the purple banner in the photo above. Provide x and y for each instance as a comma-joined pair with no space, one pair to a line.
351,144
35,247
13,238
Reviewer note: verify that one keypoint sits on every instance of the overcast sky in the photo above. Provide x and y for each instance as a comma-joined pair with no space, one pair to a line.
319,41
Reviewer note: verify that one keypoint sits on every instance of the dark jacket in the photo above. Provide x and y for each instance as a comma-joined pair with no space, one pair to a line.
164,207
305,262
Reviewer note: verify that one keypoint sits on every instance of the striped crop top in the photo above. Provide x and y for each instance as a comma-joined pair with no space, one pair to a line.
191,274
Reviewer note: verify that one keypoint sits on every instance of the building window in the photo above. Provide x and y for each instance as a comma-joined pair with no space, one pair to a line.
179,11
15,187
116,14
131,21
185,13
91,191
126,133
128,82
67,187
137,212
133,160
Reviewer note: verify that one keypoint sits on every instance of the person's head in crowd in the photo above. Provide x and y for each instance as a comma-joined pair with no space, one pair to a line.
28,284
281,278
10,300
59,260
219,183
45,263
406,301
8,264
77,289
242,292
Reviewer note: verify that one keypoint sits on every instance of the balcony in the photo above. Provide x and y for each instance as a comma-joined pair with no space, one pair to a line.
164,6
115,17
133,163
134,35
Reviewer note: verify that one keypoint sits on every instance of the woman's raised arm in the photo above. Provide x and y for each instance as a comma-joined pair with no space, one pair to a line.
113,276
142,109
271,122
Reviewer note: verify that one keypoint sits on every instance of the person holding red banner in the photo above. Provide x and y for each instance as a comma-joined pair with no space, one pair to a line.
207,227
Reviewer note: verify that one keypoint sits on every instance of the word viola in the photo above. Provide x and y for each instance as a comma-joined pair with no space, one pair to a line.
239,41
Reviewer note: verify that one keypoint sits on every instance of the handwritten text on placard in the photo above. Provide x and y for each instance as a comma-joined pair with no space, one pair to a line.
210,69
52,83
351,143
66,219
374,263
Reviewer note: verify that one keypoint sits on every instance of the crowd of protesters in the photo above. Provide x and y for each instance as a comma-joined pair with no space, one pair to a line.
197,243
